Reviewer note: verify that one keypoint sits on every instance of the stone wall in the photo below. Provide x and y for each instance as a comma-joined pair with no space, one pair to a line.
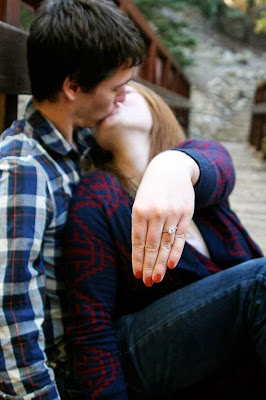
224,77
222,99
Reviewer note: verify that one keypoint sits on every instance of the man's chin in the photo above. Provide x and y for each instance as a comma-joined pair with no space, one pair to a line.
106,117
99,122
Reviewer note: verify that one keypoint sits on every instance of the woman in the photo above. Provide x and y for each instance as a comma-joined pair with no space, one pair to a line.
135,340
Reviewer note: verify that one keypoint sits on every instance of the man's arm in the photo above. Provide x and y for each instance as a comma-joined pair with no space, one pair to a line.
24,205
166,197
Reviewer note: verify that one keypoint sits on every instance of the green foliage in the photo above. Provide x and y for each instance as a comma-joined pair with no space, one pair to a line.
210,8
174,34
26,16
145,5
234,14
252,12
260,26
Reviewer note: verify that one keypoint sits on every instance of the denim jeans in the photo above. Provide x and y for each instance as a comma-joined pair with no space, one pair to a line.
184,337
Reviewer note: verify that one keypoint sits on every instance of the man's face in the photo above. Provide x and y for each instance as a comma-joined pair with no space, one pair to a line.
94,106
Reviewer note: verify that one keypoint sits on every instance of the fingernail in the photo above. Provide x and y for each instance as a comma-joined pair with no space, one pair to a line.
138,274
157,278
171,265
148,282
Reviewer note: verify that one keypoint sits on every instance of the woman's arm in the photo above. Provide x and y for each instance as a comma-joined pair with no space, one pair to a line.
217,173
166,197
92,285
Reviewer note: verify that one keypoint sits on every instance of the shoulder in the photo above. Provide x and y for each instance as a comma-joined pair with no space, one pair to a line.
202,144
207,152
99,183
18,148
20,161
96,180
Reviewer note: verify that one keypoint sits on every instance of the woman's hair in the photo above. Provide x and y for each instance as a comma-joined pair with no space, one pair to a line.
166,133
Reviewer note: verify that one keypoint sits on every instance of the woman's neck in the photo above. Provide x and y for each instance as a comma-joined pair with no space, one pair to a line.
133,160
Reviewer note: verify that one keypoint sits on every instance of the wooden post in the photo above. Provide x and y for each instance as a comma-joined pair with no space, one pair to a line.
9,13
165,74
147,72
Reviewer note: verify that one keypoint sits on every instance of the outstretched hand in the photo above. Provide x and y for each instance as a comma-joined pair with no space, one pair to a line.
165,199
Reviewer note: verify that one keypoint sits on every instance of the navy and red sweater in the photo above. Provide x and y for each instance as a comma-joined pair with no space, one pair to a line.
99,274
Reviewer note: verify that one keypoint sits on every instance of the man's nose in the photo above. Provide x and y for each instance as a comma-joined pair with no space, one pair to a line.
120,95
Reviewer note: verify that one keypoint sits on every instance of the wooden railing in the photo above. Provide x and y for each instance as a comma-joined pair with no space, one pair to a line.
160,71
160,66
257,135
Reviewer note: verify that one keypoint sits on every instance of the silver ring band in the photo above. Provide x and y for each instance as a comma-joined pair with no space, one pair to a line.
171,230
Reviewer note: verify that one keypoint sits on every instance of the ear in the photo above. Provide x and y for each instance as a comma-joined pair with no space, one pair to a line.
70,89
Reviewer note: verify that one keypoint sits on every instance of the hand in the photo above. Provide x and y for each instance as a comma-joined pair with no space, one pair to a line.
165,198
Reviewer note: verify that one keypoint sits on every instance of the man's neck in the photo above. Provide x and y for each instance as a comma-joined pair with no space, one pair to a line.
58,114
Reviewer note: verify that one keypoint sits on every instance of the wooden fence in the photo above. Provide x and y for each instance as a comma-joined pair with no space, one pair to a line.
160,71
257,137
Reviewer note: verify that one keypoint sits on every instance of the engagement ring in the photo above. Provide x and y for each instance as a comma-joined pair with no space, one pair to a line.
171,230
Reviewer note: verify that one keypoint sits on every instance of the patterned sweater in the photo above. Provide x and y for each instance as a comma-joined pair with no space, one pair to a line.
99,274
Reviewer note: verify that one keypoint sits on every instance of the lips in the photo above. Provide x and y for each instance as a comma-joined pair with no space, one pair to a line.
110,114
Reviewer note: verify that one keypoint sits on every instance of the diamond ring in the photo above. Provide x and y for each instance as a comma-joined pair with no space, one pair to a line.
171,230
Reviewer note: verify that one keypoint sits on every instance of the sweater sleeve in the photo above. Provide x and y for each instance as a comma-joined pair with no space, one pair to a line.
92,282
217,174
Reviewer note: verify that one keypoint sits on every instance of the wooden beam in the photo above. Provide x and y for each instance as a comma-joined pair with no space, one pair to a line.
2,112
259,109
13,63
10,11
174,100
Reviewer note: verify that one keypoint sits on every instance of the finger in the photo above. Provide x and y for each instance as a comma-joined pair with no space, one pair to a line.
172,253
153,248
167,240
161,262
177,250
179,242
139,232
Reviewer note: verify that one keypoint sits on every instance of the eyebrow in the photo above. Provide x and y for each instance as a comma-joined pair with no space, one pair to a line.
122,84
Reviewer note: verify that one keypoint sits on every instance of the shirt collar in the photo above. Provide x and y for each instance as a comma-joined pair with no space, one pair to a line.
52,138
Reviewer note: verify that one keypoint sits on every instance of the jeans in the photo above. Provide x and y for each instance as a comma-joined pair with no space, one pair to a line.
184,337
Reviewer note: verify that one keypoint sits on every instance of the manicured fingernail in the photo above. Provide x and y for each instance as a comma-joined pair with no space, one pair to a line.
138,274
148,282
157,278
171,265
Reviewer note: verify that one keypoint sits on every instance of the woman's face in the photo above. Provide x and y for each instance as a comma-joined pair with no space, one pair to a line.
129,120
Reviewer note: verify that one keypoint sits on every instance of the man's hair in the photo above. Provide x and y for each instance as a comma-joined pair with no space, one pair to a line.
85,40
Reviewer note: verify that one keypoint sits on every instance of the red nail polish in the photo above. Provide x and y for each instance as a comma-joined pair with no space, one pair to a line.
138,274
148,282
171,265
157,278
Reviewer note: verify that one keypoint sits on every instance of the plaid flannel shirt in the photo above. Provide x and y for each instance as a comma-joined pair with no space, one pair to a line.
38,170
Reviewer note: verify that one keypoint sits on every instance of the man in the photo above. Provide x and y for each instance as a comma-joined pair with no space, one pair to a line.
80,56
